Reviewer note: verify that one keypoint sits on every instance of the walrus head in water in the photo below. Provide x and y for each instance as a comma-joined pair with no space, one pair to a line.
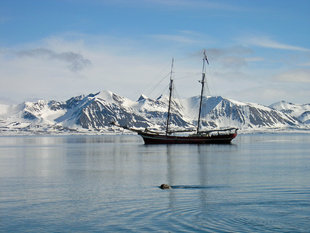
165,186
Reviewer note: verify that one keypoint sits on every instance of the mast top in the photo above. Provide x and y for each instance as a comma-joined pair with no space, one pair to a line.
205,56
204,60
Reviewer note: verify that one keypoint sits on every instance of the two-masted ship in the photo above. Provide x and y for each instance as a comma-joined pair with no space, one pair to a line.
215,136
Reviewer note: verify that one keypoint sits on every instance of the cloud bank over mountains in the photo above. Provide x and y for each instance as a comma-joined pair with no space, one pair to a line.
63,67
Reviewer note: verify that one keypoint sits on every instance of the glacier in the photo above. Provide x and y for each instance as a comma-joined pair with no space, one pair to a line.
93,113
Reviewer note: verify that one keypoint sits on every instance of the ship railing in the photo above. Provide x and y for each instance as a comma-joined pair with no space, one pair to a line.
169,132
220,131
181,131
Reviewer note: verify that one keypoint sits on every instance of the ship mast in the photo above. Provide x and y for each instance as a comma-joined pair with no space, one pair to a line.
204,60
170,95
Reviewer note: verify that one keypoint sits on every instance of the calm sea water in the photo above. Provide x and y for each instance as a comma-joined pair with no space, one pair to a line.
260,183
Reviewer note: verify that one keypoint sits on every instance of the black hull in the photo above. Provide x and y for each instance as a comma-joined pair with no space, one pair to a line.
191,139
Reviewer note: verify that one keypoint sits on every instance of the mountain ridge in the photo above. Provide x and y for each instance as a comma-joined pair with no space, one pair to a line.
93,113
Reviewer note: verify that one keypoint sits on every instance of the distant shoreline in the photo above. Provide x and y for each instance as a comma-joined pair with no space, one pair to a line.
105,133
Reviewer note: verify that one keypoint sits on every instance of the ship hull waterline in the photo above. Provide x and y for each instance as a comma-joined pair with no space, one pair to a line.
199,139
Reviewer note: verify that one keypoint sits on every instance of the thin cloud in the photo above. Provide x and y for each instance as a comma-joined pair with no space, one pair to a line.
235,56
305,64
294,76
4,19
76,61
266,42
175,38
185,37
254,59
195,3
178,4
230,50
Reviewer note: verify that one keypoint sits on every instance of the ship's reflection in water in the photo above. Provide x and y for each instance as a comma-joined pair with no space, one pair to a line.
110,183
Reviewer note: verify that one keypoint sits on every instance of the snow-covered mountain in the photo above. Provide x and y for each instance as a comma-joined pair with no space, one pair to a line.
299,111
93,113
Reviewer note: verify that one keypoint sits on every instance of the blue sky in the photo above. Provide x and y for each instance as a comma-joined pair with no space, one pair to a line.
259,51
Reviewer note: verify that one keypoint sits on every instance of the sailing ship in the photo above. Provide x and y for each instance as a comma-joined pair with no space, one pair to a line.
216,136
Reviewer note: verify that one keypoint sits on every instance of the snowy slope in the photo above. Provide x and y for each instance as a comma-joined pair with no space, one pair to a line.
299,111
221,112
4,109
